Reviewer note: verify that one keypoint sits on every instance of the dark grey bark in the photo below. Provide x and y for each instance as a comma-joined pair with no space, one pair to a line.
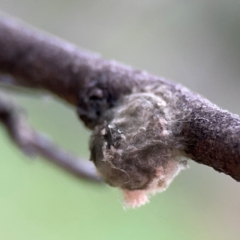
97,87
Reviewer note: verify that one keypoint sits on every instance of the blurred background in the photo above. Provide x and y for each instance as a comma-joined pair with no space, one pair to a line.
196,43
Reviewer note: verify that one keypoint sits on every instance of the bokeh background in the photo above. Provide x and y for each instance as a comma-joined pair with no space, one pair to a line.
196,43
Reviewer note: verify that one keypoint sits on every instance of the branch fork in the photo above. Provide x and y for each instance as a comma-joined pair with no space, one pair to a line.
133,114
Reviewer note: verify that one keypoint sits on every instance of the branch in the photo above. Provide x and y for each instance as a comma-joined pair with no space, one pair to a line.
33,143
177,122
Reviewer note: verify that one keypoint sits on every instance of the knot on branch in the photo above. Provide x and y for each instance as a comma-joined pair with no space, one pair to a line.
134,149
94,102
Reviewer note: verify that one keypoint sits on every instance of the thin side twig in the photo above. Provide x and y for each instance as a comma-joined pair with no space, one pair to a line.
33,143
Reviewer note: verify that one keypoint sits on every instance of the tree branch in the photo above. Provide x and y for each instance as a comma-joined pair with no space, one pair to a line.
100,89
33,143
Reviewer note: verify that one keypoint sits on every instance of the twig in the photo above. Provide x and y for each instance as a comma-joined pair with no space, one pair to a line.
33,143
97,87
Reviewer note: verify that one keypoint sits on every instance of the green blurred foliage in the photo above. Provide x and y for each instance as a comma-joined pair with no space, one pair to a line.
196,43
